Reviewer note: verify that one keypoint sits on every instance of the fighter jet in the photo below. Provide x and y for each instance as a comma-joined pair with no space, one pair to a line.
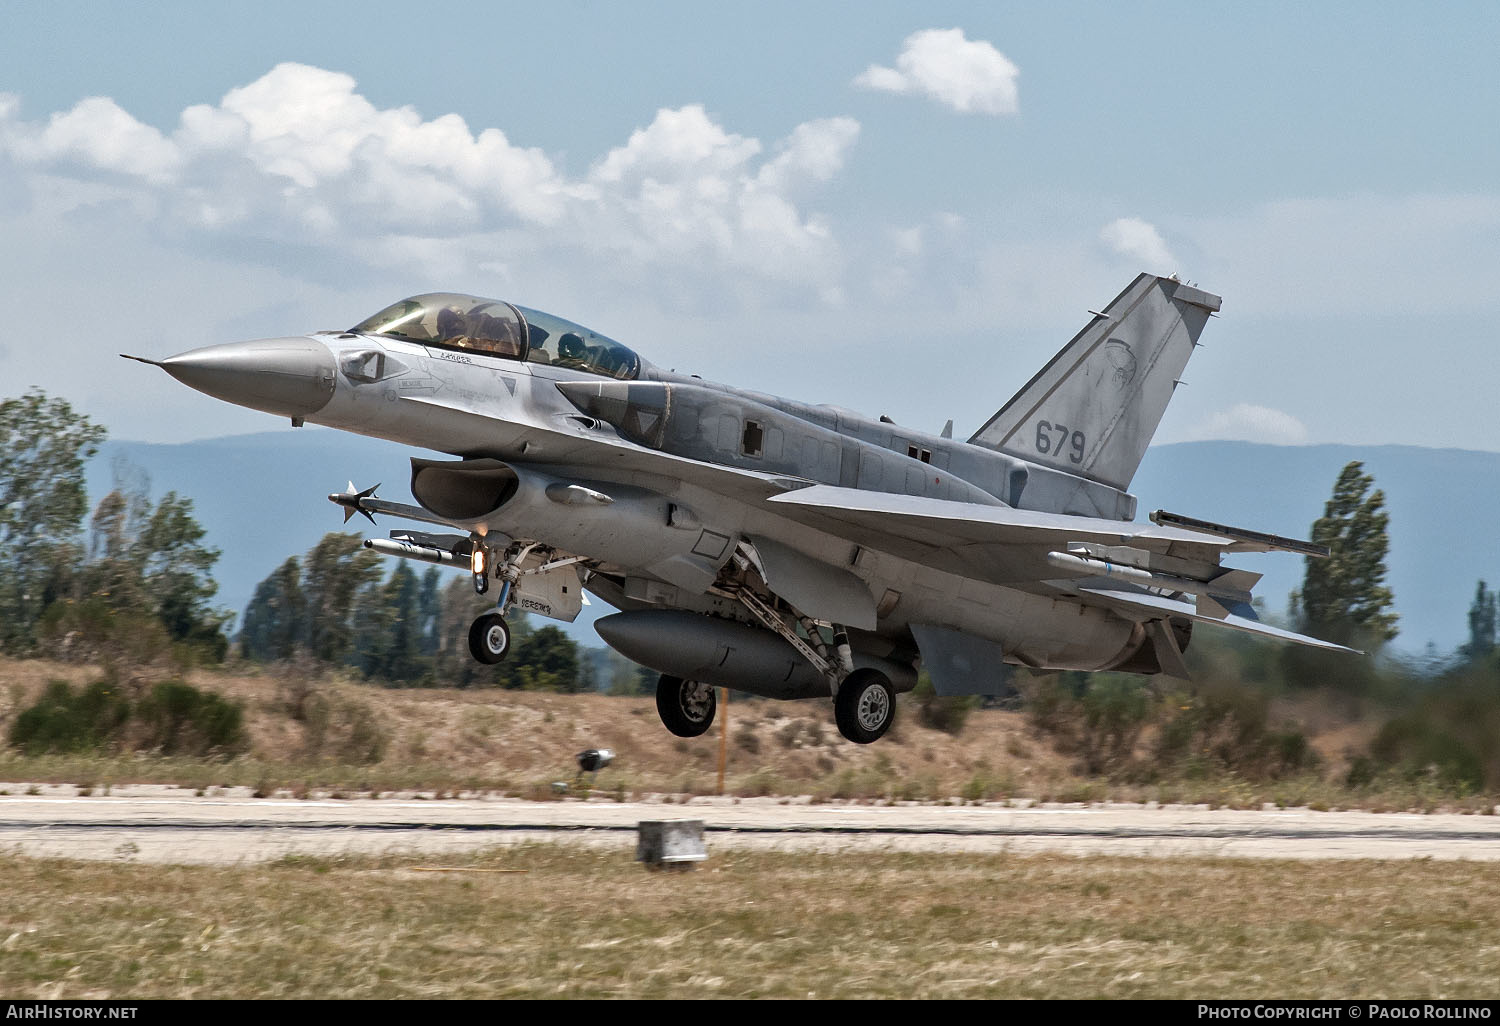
789,550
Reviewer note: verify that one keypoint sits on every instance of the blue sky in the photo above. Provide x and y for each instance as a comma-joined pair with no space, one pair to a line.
899,208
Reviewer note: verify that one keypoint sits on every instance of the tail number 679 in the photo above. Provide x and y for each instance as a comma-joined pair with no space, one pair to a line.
1054,438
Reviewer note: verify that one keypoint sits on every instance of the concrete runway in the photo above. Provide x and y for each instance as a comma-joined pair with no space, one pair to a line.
173,825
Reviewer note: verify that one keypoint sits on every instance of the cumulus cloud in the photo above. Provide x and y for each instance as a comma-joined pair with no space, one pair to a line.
300,156
678,144
970,76
97,131
1245,422
1140,241
686,190
814,152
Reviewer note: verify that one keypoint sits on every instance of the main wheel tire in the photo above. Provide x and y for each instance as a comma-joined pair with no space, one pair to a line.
686,707
489,638
865,706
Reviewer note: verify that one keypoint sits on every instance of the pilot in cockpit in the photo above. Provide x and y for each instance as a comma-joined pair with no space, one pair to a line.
452,326
572,351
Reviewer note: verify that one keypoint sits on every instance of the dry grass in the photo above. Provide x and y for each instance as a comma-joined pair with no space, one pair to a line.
519,743
590,923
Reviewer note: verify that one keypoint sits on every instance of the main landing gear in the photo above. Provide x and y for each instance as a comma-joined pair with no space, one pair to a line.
686,707
864,706
864,703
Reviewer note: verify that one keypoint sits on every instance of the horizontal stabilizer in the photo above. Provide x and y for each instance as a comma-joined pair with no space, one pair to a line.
1137,602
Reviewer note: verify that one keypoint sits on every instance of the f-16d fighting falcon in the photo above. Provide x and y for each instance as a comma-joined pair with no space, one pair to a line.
789,550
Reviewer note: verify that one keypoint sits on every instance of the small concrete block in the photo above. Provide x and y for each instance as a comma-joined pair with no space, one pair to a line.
670,842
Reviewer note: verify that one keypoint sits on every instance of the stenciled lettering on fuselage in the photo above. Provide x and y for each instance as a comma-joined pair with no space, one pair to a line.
532,605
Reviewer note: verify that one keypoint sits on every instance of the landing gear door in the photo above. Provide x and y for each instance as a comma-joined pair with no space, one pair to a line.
817,588
557,594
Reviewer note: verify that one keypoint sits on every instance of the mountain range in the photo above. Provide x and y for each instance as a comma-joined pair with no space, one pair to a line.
262,497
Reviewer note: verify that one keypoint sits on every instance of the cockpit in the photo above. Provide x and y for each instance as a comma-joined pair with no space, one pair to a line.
491,326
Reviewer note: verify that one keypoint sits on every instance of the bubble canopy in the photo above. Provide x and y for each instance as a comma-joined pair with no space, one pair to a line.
455,321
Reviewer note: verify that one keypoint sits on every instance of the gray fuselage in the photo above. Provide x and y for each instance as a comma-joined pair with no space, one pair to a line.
477,405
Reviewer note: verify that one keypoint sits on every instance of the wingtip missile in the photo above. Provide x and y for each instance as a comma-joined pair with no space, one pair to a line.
351,500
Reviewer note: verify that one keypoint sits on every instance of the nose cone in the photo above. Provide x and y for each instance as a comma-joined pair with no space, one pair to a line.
291,377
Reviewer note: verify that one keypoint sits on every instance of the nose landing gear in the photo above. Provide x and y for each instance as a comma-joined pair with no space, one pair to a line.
489,638
489,635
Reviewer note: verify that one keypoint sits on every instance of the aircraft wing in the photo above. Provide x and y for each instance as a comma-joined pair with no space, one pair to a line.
997,536
1012,547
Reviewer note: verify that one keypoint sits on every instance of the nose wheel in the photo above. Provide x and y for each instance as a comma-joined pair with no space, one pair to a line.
489,638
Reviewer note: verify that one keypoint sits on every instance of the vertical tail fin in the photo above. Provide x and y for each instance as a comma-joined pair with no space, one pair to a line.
1093,409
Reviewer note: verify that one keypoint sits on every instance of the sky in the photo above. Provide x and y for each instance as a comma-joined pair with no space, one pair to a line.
900,208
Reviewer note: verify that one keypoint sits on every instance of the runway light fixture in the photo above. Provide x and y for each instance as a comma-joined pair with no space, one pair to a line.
595,759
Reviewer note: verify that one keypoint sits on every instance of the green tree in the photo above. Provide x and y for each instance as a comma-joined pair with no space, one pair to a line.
402,629
150,561
626,678
1344,596
388,629
311,607
1481,624
111,572
275,620
176,568
335,570
43,447
430,612
545,660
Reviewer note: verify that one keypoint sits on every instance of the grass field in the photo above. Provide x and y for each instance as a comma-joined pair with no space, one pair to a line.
558,921
565,921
